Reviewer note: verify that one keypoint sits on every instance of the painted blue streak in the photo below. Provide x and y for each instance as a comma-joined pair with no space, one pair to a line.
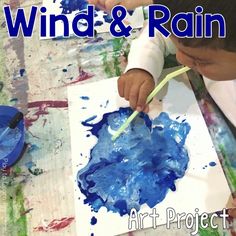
139,167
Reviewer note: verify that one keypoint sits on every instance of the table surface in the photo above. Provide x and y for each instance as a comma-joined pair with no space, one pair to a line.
36,194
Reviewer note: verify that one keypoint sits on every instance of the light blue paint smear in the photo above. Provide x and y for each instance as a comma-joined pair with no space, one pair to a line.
9,143
139,167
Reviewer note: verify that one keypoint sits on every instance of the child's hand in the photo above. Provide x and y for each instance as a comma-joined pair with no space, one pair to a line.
107,5
135,86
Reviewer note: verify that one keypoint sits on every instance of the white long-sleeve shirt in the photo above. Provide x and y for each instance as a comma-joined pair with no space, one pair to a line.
149,53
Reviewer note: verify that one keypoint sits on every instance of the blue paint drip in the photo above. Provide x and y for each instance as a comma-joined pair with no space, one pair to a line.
117,173
86,122
93,221
84,97
212,163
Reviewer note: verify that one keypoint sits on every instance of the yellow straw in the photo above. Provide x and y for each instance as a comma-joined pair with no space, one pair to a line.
149,98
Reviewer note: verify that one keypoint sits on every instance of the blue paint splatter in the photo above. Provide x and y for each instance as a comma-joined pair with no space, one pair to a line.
107,18
212,163
86,122
14,100
106,103
32,148
150,151
93,221
105,106
98,23
30,164
22,71
84,97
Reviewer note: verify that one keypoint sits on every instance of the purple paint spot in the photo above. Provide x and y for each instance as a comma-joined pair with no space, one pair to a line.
212,163
93,221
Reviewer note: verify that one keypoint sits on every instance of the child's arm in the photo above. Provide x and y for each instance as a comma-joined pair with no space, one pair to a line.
145,64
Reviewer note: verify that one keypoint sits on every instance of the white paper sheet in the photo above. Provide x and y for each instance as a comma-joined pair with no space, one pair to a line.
202,188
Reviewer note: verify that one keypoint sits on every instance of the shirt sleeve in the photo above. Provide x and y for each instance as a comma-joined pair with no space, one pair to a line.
148,53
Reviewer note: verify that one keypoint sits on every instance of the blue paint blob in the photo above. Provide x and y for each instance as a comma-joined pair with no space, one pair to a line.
93,221
98,23
107,18
88,135
64,70
117,173
212,164
22,71
84,97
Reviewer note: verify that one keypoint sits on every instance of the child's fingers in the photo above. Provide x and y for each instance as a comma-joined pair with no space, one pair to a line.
133,94
121,86
146,109
127,89
144,91
232,212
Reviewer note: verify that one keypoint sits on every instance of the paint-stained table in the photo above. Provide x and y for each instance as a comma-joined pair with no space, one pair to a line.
36,195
